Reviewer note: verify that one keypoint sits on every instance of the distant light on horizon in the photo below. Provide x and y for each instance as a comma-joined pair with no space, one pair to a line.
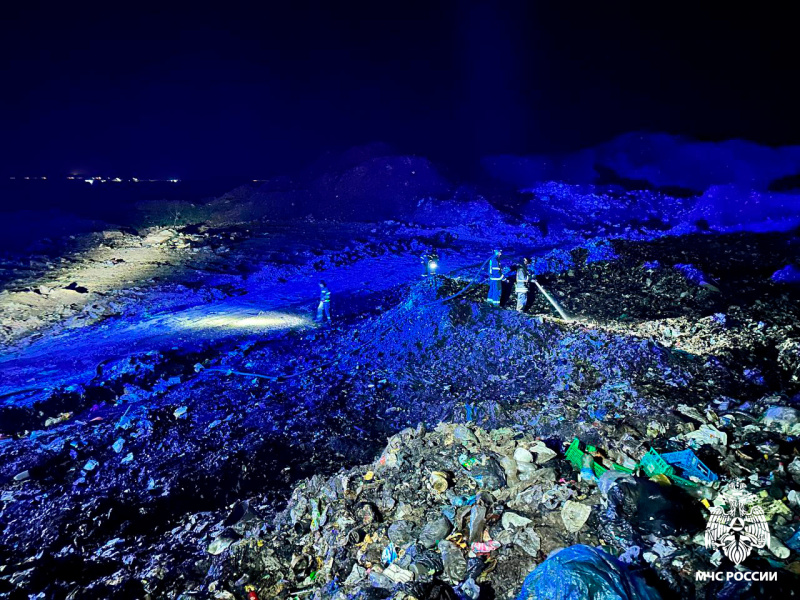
102,178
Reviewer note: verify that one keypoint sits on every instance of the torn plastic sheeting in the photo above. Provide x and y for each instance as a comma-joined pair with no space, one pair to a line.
706,434
574,515
782,418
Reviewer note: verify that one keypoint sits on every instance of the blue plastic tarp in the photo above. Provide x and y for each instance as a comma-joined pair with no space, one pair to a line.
584,573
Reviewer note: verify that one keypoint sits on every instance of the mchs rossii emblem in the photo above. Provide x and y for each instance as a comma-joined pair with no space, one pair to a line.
740,528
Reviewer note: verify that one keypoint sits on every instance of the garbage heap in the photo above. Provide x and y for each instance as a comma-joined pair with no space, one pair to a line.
463,512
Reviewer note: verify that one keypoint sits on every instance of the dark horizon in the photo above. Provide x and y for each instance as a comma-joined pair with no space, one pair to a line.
254,93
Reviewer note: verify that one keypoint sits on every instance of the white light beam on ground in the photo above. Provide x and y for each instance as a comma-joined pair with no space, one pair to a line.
237,320
552,301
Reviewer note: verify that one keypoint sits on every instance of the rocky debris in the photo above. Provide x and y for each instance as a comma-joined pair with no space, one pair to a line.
465,206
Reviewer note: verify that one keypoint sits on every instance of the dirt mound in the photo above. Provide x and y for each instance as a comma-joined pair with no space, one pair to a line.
465,207
656,160
363,184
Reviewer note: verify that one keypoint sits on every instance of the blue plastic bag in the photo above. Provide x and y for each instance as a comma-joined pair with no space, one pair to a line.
584,573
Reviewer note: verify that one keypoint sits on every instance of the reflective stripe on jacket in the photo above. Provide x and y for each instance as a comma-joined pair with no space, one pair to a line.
495,272
522,280
325,295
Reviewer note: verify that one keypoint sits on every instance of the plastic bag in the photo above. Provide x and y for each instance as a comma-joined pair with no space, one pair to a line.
455,565
647,508
580,572
488,475
434,531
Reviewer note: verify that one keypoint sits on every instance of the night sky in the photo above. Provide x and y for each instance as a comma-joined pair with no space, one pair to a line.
163,91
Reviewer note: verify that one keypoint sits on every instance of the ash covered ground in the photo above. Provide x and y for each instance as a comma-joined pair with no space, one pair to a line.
175,424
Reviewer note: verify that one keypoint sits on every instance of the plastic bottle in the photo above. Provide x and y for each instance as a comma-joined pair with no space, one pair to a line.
587,471
703,492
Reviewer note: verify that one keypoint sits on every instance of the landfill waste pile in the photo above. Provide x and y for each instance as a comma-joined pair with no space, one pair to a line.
464,512
178,427
449,513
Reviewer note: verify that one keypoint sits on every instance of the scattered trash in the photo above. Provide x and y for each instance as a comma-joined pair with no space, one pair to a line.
59,419
455,565
523,455
511,519
389,554
438,481
434,531
643,507
543,453
706,434
782,418
221,543
630,555
488,474
657,392
574,515
397,574
485,547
